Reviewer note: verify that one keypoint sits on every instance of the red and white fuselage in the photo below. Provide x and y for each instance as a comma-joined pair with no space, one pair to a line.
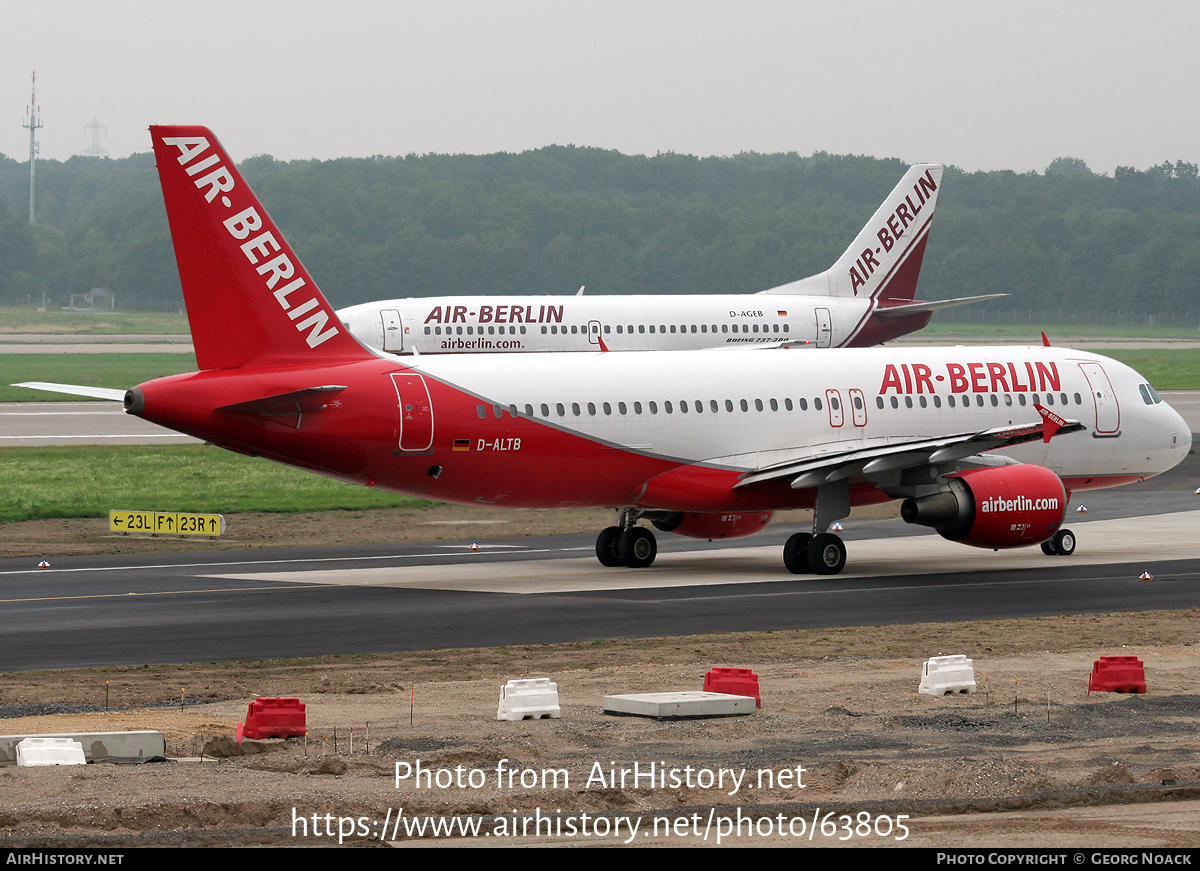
982,443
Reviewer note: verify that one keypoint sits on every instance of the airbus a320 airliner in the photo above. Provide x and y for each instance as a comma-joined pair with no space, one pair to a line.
865,298
985,445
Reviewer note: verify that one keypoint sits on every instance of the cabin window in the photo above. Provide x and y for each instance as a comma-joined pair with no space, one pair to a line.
481,411
562,412
545,410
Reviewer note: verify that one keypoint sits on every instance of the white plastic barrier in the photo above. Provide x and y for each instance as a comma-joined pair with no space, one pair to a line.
32,752
947,674
530,699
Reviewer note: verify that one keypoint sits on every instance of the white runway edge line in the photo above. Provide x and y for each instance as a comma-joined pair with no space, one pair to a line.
323,559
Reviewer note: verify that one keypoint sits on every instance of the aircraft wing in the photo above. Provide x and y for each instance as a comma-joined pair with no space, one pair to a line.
875,461
912,308
75,390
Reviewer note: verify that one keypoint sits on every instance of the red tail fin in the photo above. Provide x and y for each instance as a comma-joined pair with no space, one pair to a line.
248,298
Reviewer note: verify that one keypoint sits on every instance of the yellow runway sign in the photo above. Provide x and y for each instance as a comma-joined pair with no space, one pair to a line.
166,523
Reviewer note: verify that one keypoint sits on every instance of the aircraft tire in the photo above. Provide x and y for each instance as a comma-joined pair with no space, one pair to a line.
1064,542
795,554
826,554
637,547
606,547
1048,547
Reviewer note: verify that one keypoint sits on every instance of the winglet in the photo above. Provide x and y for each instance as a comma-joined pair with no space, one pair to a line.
1045,341
1051,422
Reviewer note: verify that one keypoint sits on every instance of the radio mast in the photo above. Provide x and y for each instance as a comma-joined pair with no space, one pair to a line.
33,122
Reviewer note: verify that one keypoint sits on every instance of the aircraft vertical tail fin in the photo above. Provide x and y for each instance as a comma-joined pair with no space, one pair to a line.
884,261
249,299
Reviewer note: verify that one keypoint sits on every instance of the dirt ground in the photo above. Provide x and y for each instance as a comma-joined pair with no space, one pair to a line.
1028,760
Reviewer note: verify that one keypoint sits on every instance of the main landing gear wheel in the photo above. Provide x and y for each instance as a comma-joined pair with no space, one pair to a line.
637,547
826,554
1063,544
795,553
606,547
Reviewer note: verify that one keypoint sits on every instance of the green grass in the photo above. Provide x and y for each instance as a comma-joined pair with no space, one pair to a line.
121,371
90,481
1033,332
1166,370
27,319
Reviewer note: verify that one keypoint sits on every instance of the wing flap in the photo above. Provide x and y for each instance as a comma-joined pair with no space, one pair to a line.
916,452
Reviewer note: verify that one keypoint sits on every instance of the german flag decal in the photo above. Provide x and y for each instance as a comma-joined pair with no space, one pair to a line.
462,445
783,314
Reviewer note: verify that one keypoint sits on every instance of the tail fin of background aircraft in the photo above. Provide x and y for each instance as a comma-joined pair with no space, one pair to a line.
884,260
249,300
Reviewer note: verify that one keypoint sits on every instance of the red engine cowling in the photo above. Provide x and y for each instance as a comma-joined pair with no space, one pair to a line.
695,524
1004,506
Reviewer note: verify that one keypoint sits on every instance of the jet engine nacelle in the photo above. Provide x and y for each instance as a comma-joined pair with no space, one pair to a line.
696,524
1004,506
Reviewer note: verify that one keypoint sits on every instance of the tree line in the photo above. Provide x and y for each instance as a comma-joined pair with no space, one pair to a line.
549,220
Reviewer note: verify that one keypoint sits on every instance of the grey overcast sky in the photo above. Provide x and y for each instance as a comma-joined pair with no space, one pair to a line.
996,85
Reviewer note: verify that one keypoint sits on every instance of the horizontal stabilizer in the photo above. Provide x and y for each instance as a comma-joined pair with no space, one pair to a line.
304,401
912,308
76,390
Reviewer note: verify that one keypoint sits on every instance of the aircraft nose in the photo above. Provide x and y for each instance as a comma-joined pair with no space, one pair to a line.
1179,429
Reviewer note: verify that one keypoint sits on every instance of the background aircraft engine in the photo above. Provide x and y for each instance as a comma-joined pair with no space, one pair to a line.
1006,506
695,524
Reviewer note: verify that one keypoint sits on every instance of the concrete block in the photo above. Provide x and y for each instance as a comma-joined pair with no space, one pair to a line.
680,705
97,746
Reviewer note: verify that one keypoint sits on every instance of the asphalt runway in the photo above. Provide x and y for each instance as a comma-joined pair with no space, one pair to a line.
29,424
114,610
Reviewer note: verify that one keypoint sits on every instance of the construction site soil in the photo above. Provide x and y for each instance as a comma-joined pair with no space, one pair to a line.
1030,759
